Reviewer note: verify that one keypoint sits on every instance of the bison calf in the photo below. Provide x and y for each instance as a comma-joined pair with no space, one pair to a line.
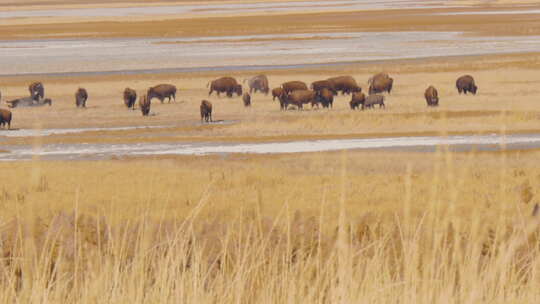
372,100
5,118
144,104
432,96
206,111
357,100
247,99
80,97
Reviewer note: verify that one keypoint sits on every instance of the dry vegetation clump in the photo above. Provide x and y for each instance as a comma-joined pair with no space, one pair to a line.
371,228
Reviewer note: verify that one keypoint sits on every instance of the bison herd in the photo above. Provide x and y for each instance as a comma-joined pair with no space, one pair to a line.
291,93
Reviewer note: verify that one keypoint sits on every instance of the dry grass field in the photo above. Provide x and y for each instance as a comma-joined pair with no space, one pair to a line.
335,227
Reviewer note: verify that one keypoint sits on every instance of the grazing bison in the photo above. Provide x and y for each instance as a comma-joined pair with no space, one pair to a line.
277,92
144,104
380,83
345,84
466,84
37,91
5,118
162,91
80,97
358,99
300,97
372,100
432,96
247,99
206,111
258,83
227,85
325,97
130,96
323,84
291,86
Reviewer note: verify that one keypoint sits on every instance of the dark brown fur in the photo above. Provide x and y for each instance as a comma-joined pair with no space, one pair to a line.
357,100
206,111
291,86
162,91
144,104
277,92
432,96
325,97
227,85
345,84
323,84
466,84
130,96
37,91
300,97
5,118
247,99
80,97
380,83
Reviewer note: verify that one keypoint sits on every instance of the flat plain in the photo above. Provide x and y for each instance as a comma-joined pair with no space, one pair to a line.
372,226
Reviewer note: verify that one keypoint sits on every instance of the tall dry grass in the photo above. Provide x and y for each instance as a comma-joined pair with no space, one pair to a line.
453,229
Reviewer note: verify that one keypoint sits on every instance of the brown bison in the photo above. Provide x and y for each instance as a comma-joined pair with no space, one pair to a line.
258,83
227,85
357,100
372,100
144,104
130,96
291,86
37,91
5,118
432,96
466,84
300,97
247,99
80,97
325,97
277,92
162,91
323,84
345,84
206,111
380,83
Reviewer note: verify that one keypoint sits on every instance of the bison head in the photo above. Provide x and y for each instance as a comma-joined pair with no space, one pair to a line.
474,89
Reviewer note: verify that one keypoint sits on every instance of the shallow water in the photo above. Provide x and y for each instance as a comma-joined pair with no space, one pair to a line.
106,56
425,143
227,8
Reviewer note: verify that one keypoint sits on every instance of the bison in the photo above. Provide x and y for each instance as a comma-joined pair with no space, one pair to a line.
466,84
372,100
344,84
28,102
299,98
277,92
325,97
227,85
380,83
37,91
291,86
247,99
358,99
206,111
432,96
144,104
130,96
80,97
162,91
323,84
258,83
5,118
